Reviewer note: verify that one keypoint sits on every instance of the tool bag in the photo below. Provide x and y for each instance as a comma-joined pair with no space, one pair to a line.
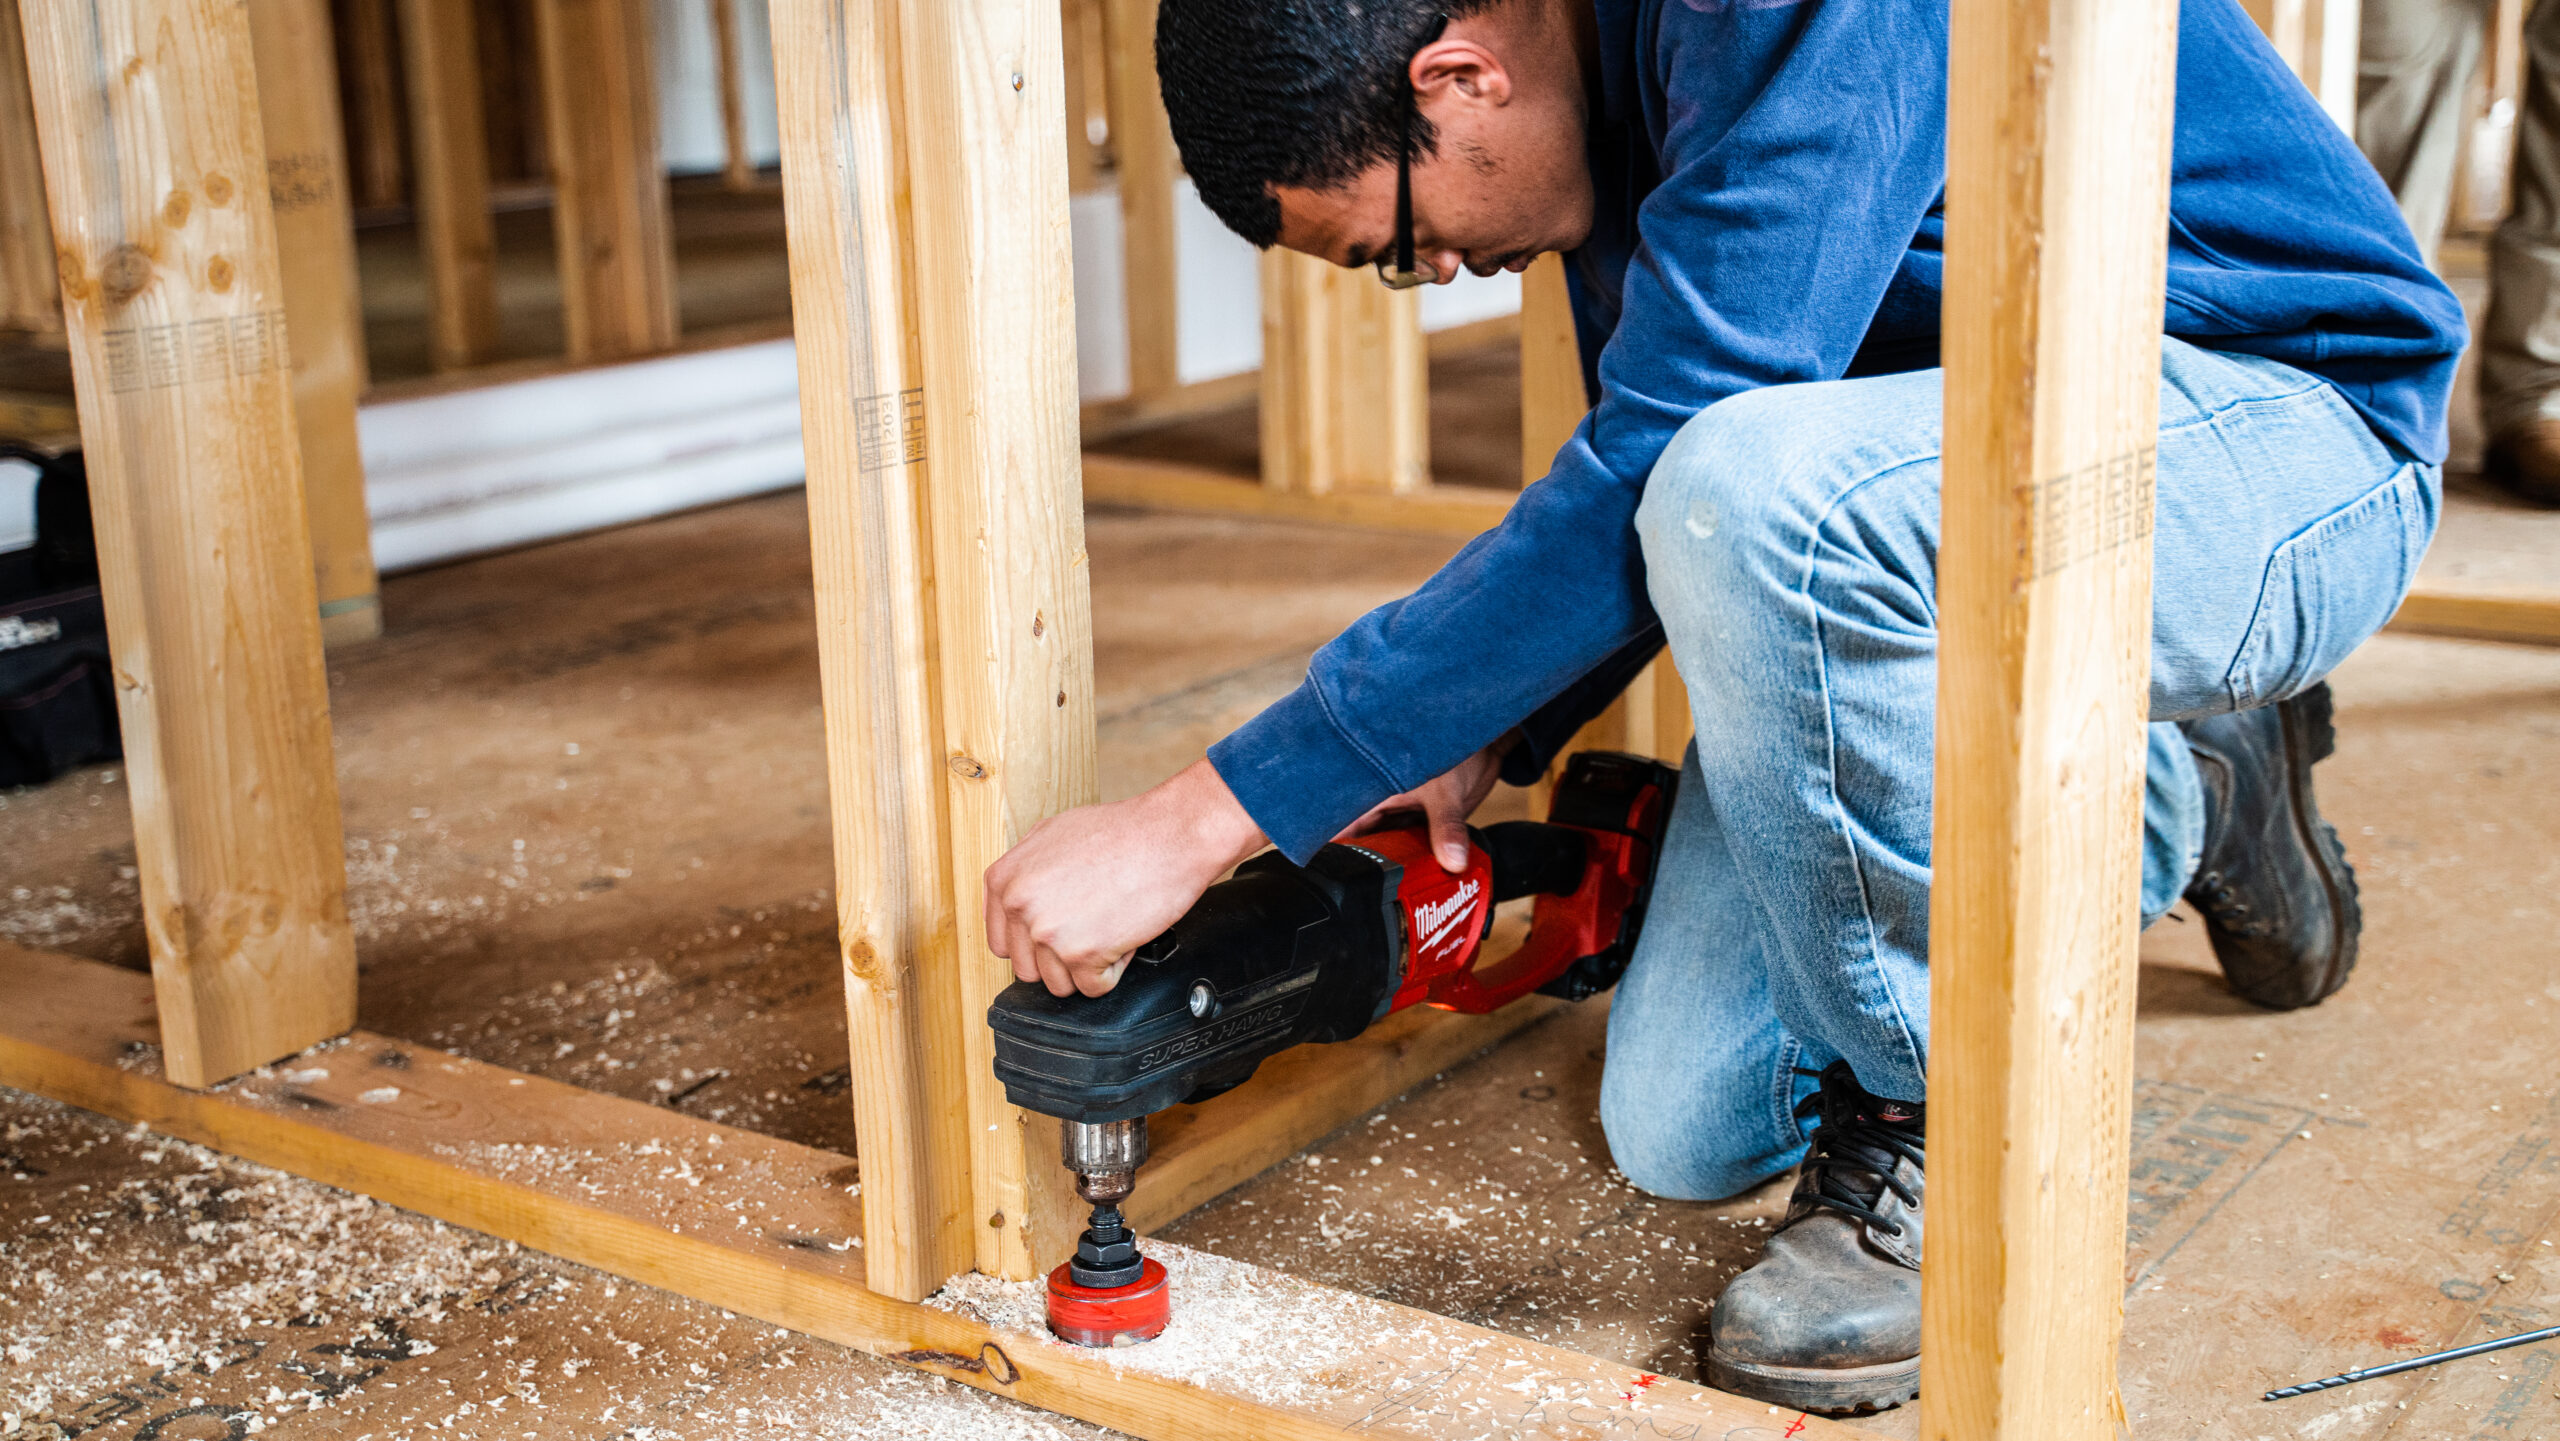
57,683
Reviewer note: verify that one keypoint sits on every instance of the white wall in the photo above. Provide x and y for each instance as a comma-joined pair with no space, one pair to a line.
17,505
690,141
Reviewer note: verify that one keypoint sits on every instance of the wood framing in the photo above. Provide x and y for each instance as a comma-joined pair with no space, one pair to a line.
836,84
609,216
155,167
738,166
1652,716
2533,618
1553,399
369,58
2057,185
324,315
984,88
925,160
768,1229
30,296
449,140
1163,485
1346,392
1201,1152
1146,166
1088,70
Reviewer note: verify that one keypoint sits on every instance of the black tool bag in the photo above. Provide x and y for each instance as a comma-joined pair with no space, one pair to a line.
57,683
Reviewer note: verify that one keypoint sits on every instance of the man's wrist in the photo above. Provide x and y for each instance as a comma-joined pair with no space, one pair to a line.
1214,821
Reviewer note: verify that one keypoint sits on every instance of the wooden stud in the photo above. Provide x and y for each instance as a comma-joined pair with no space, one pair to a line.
1346,390
1458,510
369,57
315,243
156,167
609,219
30,295
836,80
1148,164
1652,717
1088,68
763,1229
925,161
1552,398
984,90
2057,185
738,169
2531,618
448,132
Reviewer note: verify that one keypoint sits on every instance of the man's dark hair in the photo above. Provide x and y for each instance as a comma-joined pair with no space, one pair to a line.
1306,93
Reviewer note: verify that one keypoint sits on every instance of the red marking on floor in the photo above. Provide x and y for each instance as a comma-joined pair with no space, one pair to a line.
1796,1425
1646,1380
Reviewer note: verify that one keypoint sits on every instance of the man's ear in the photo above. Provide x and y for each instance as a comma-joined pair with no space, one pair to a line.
1460,68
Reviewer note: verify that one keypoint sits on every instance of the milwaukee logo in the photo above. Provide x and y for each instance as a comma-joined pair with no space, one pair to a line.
1433,920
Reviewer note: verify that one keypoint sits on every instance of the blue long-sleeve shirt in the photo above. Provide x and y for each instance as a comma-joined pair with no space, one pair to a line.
1770,180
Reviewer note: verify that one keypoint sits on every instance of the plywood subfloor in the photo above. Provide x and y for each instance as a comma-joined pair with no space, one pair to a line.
586,837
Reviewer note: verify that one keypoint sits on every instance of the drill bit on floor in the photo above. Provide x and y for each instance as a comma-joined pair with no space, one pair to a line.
2413,1363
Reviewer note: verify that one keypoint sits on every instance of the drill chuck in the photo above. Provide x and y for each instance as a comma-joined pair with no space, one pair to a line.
1105,1156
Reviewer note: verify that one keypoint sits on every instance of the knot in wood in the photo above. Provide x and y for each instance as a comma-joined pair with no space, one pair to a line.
862,960
967,769
123,274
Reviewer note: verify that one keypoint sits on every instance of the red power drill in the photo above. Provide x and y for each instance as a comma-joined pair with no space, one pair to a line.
1282,954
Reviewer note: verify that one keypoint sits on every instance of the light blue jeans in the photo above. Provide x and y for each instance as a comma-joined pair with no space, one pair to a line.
1790,537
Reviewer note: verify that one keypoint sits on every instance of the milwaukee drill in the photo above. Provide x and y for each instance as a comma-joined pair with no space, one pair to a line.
1282,954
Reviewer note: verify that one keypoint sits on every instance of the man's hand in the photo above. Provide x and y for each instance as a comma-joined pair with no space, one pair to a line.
1445,801
1072,899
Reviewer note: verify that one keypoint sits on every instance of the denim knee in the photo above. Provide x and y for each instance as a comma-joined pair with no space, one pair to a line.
1741,496
1722,494
1697,1128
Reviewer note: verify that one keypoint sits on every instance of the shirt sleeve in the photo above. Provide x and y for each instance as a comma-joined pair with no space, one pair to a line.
1801,146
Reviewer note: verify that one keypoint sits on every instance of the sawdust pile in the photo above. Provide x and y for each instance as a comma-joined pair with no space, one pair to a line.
153,1287
166,1269
1236,1328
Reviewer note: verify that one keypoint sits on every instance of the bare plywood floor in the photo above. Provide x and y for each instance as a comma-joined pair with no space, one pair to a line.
586,836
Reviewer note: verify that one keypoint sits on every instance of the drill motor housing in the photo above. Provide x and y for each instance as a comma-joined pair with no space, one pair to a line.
1282,954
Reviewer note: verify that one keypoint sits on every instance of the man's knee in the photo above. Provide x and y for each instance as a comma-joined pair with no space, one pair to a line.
1714,496
1741,494
1684,1151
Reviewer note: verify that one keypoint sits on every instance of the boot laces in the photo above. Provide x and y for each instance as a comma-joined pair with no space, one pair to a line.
1855,1142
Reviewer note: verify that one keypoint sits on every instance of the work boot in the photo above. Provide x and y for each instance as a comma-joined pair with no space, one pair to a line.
1829,1318
2273,884
2524,461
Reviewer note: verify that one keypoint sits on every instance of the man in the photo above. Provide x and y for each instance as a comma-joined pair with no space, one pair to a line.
1749,192
2412,99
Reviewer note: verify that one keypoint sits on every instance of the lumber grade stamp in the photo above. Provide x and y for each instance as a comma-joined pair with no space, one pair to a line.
768,1229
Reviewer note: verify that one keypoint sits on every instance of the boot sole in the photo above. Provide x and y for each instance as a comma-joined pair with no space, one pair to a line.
1823,1390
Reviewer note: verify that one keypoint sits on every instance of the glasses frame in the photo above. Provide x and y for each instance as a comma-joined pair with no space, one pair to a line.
1405,274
